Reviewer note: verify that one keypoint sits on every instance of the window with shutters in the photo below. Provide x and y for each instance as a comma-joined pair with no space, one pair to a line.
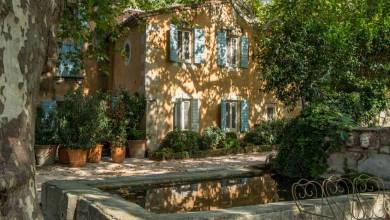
184,38
231,115
232,51
69,60
186,114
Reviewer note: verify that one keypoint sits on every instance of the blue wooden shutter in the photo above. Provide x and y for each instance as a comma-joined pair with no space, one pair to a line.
221,46
199,46
194,114
67,64
48,106
244,110
244,61
173,44
223,114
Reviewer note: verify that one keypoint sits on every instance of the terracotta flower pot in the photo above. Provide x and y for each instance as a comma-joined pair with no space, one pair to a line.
118,154
136,148
95,153
77,157
45,154
63,157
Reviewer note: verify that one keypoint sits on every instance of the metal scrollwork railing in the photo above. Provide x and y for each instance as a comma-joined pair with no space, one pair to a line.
363,197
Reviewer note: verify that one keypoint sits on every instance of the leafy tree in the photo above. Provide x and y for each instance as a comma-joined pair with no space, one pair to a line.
329,52
333,58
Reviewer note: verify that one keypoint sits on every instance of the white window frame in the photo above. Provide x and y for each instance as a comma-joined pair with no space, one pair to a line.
182,45
231,48
179,113
229,121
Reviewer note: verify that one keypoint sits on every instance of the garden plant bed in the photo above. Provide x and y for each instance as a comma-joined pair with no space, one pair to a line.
209,153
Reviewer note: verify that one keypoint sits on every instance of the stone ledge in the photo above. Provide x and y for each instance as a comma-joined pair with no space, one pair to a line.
83,200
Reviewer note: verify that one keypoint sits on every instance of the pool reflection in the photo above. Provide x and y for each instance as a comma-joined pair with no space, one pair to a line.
204,196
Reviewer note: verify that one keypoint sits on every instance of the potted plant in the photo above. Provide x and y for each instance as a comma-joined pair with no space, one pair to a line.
117,125
75,129
135,105
45,137
101,126
136,144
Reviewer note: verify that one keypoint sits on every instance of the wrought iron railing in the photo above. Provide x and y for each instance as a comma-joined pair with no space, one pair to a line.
363,197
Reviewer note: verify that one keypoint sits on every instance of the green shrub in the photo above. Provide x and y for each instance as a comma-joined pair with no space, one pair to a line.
180,141
101,123
212,138
308,140
76,120
231,140
134,111
267,133
118,121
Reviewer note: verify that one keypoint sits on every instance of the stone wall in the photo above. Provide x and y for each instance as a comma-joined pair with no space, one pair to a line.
367,150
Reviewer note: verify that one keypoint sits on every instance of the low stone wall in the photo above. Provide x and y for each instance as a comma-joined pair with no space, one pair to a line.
367,150
83,200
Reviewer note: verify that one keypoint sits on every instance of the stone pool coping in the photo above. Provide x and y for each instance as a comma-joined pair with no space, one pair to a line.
84,199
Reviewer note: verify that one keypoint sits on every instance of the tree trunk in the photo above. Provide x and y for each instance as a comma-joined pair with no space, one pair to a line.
26,32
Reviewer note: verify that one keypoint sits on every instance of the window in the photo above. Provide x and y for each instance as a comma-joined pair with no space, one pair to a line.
186,114
184,44
69,60
231,115
232,51
127,52
270,113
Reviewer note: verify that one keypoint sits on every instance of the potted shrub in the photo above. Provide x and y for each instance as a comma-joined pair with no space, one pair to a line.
117,125
134,109
45,137
101,126
75,128
136,144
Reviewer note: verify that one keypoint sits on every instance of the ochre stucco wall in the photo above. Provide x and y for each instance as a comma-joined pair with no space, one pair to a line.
166,81
131,75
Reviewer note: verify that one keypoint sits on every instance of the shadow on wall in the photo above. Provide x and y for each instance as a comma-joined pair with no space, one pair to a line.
207,82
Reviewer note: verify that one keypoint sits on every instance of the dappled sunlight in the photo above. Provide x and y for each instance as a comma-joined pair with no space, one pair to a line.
132,166
166,81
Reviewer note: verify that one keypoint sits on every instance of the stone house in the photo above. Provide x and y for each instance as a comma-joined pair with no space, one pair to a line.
196,66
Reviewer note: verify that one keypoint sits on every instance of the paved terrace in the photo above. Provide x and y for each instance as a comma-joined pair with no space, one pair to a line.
134,167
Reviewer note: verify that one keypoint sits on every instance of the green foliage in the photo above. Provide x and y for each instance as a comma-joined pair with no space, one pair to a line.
118,121
231,141
212,138
309,139
93,24
76,123
328,52
267,133
101,122
134,134
46,131
134,111
180,141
